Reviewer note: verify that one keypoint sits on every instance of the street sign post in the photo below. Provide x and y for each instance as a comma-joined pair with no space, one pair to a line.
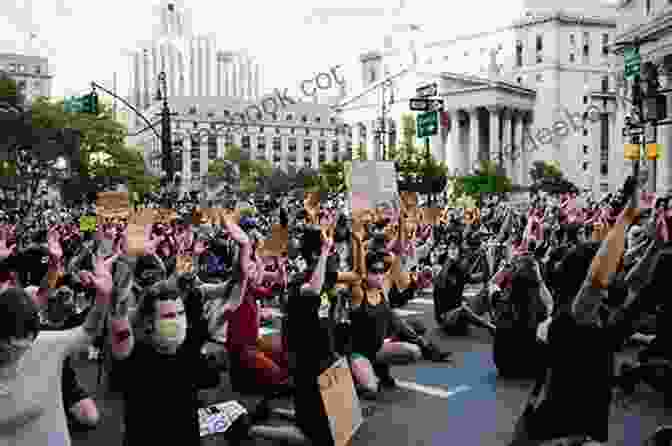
422,104
632,62
427,90
428,124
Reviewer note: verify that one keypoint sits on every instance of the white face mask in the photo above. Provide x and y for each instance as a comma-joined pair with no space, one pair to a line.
453,253
169,333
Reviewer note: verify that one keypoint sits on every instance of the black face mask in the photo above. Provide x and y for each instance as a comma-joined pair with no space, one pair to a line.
341,233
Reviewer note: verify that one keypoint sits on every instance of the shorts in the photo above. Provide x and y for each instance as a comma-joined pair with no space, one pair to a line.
72,390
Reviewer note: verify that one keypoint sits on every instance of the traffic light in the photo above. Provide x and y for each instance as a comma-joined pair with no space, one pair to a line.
90,104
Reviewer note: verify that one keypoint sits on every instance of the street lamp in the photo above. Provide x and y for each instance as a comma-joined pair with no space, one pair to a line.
166,149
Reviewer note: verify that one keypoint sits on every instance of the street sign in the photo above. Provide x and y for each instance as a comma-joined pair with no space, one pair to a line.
427,90
428,124
632,62
422,104
652,151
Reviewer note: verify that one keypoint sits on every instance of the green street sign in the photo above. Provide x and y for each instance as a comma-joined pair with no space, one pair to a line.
428,124
83,104
632,62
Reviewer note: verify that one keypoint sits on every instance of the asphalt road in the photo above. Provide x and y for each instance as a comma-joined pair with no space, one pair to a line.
436,404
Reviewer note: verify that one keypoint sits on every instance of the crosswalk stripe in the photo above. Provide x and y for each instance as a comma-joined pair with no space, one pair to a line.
433,391
402,312
422,301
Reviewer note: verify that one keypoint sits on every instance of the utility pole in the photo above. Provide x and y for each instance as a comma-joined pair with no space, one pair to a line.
114,88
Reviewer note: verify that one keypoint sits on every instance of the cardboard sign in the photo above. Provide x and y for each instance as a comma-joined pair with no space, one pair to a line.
431,216
373,183
277,244
112,204
341,402
136,231
185,264
631,152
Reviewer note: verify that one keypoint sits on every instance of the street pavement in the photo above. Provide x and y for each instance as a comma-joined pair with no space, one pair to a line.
436,404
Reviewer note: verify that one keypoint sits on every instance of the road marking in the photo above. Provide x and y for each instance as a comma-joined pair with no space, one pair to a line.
423,301
404,313
433,391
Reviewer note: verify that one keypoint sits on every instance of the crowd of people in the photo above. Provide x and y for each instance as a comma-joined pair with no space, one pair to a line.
567,283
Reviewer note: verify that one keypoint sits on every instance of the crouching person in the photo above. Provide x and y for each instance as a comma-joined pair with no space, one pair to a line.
380,338
161,372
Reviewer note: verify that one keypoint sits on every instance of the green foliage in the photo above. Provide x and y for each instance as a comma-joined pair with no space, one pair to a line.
100,133
251,174
332,177
415,165
360,153
545,169
9,91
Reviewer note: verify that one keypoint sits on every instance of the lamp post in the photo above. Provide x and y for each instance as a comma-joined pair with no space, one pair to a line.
166,149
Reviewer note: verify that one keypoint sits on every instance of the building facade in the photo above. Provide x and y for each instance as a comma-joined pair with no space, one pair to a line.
498,88
649,21
300,135
31,74
193,64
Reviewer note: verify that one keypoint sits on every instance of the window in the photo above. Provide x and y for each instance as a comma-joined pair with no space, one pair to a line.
277,144
22,68
572,57
290,117
304,118
21,85
192,110
334,146
211,114
307,132
308,162
605,84
213,126
586,46
519,80
585,149
291,145
647,7
322,144
539,77
261,142
212,147
540,58
572,40
604,169
245,142
261,129
12,67
604,144
307,146
540,43
584,166
228,139
372,74
292,131
332,121
37,69
195,141
519,53
585,132
605,44
317,119
322,133
585,100
277,130
322,158
274,116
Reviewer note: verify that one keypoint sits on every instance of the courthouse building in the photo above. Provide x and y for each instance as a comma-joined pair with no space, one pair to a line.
498,87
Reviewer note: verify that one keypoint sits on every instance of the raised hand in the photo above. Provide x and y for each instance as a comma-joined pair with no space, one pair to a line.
54,244
101,279
6,248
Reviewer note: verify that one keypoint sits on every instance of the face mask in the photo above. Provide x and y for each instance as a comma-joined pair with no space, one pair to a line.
453,253
169,334
12,351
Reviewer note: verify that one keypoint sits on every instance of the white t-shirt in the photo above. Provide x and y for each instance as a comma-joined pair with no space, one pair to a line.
32,412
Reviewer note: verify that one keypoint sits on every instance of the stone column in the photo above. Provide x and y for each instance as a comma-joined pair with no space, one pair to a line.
474,138
664,163
495,144
506,142
525,126
453,147
517,152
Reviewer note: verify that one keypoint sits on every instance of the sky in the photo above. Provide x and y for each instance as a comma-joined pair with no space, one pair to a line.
86,40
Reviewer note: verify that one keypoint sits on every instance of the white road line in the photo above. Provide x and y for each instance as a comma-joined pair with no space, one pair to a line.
422,301
433,391
404,313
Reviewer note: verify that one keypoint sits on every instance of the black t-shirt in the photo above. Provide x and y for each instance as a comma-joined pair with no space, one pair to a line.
161,395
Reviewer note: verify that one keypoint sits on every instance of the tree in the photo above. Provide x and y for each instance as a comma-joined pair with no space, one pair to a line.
545,169
9,91
307,178
360,153
332,177
234,168
102,138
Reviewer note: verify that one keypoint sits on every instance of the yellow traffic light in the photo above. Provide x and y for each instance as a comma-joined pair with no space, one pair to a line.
631,152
